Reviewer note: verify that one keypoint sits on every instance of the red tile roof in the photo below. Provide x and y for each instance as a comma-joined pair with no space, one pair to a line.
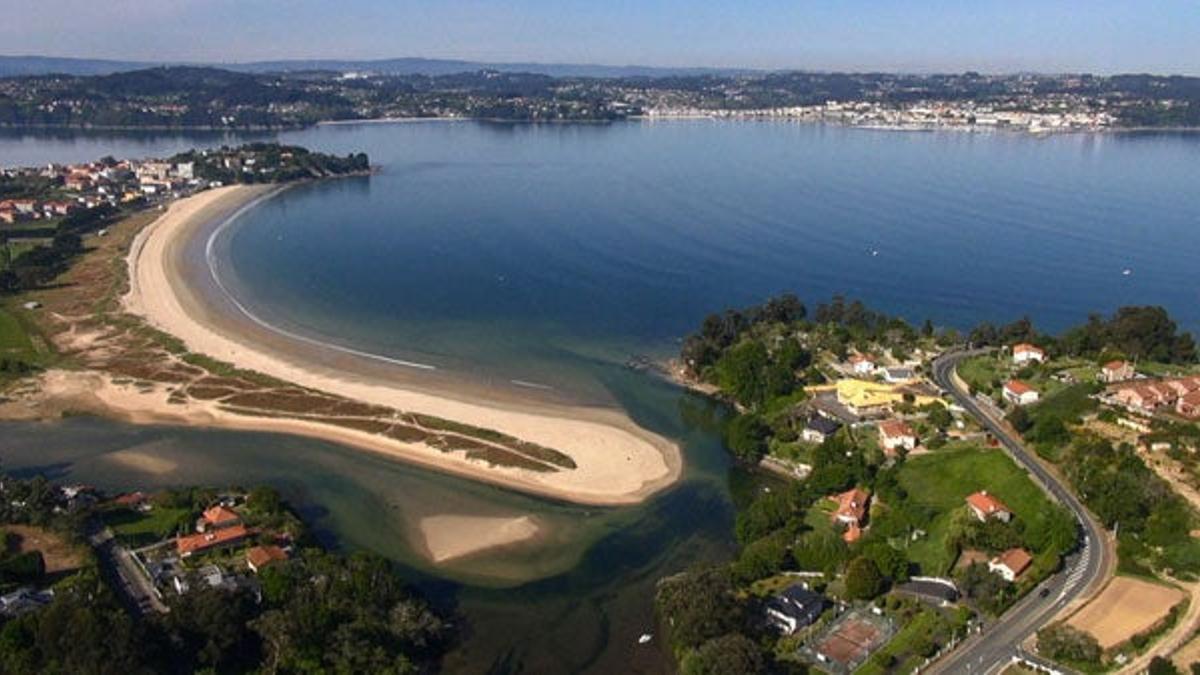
987,504
194,543
1015,559
852,504
220,515
259,556
129,499
1114,365
1018,387
895,428
1026,347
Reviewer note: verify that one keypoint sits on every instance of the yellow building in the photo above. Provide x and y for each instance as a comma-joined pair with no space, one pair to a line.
863,397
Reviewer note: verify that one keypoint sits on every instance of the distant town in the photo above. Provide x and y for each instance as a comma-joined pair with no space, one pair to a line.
203,97
44,211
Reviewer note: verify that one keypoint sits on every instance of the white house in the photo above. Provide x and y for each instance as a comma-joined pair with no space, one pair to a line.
1116,371
1019,393
1011,564
896,434
985,506
1025,352
862,364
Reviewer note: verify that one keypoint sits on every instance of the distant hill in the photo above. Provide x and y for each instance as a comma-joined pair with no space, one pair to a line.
11,66
44,65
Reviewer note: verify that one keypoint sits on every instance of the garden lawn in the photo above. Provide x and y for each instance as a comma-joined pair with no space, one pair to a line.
980,372
942,480
141,529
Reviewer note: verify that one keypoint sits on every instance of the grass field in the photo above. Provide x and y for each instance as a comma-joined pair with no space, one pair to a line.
942,480
981,371
14,340
22,349
15,249
140,529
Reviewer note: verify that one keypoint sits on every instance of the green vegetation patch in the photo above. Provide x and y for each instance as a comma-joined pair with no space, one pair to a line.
941,482
140,529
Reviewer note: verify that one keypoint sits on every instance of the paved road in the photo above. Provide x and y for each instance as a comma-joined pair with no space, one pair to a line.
998,642
132,587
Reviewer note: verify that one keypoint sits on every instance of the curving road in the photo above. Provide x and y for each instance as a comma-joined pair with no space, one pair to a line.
998,642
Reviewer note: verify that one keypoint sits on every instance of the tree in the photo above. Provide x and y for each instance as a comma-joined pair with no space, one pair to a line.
209,626
264,499
726,655
746,435
985,588
1161,666
1018,417
762,558
1061,641
696,606
940,417
890,562
863,579
821,551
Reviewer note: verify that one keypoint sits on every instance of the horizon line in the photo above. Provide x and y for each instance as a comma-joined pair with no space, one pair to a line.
583,64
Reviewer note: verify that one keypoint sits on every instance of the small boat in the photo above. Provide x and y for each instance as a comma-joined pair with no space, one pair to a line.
646,637
1126,272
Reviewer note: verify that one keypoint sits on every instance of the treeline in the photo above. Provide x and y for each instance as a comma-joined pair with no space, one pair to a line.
319,612
836,326
1143,333
286,163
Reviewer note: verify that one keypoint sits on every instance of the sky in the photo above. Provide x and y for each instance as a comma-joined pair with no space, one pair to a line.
1099,36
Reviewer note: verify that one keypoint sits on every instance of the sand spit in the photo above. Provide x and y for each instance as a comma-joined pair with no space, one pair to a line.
616,461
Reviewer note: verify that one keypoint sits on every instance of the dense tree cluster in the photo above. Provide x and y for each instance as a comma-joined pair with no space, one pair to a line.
1062,642
1141,333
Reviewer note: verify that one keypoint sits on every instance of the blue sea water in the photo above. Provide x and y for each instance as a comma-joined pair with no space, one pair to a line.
532,252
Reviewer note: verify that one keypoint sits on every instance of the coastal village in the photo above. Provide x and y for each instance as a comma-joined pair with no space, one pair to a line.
903,527
1042,117
56,190
149,544
145,579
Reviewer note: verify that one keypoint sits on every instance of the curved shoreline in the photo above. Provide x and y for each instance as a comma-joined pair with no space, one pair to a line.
617,461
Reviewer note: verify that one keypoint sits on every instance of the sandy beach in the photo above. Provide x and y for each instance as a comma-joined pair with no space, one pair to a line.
448,537
616,461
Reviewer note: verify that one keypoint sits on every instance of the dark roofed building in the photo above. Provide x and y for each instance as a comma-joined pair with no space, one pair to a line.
819,429
794,608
